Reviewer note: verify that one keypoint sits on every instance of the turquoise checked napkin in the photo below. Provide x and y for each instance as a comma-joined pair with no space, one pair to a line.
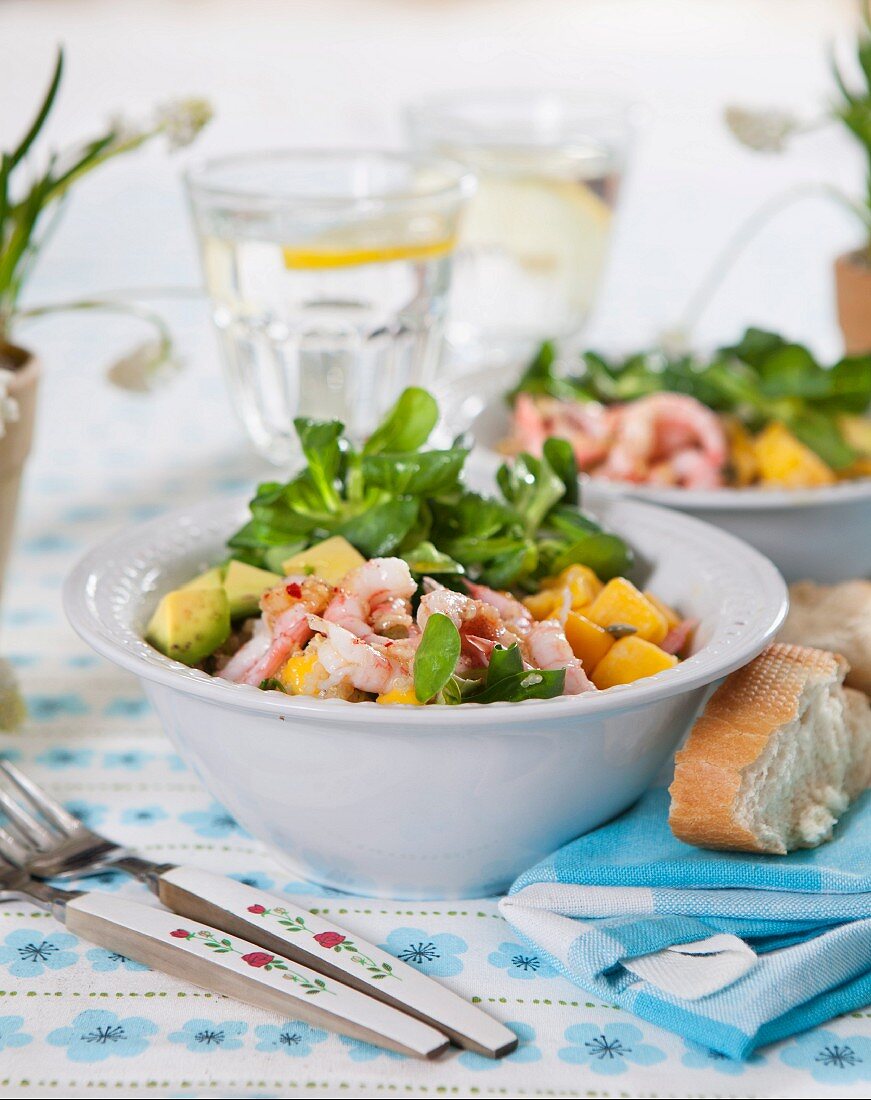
728,950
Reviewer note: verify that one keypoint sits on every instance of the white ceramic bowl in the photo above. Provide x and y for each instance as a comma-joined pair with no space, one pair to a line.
819,534
425,802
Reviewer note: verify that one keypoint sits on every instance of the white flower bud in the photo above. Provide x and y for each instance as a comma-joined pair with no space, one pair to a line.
764,131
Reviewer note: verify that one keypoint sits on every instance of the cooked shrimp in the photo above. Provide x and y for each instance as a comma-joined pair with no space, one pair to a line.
516,616
350,660
312,591
530,429
667,435
549,648
586,425
262,656
375,599
480,625
282,630
248,655
679,636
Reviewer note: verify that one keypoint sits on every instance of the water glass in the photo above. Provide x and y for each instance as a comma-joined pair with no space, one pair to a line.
328,275
534,238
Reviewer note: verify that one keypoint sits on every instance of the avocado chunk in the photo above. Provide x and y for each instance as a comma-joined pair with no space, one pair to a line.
244,585
212,578
190,623
331,559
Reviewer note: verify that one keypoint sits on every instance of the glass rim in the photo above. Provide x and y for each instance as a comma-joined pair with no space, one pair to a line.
454,115
595,101
459,181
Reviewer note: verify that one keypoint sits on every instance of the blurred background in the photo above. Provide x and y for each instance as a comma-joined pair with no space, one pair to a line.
336,72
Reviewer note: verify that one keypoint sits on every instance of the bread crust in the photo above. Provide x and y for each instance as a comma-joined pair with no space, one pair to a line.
741,717
835,617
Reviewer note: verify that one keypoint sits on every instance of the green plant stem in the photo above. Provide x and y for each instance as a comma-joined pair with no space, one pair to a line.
130,309
746,233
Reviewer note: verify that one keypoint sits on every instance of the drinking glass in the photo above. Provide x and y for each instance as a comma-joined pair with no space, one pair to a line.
328,275
534,238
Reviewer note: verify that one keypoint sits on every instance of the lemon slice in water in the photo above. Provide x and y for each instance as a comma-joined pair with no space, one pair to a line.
553,229
356,247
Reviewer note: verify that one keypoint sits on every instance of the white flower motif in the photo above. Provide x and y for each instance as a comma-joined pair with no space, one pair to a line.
182,119
143,368
8,405
765,130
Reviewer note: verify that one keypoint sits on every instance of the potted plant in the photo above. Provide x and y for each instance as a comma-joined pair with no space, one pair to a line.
28,211
770,130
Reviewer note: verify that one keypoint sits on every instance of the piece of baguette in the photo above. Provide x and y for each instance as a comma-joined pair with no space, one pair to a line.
836,617
775,758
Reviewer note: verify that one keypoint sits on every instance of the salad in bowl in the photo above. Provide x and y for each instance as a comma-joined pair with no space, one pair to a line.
386,571
761,413
757,437
407,683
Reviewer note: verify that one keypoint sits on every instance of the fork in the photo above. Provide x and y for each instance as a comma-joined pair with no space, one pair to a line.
222,963
48,842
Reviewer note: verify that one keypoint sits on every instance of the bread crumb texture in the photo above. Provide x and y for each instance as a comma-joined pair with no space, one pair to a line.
776,756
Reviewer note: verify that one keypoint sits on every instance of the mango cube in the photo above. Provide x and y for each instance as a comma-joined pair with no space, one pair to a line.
400,695
785,460
671,616
589,642
580,580
302,673
621,602
630,659
331,559
742,453
545,604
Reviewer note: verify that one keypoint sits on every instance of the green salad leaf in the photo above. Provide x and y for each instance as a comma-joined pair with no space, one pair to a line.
407,426
436,657
392,496
507,681
761,378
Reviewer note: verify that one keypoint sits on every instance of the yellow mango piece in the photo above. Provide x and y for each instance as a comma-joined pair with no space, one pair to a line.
589,642
630,659
545,604
302,673
671,616
742,453
621,602
580,580
400,695
786,461
331,559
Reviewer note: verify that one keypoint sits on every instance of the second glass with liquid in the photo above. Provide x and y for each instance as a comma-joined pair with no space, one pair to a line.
534,239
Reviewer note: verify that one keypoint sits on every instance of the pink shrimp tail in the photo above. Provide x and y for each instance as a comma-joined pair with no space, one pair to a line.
678,637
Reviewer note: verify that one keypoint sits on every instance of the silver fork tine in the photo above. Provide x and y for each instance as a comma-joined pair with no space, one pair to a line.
49,807
26,823
12,851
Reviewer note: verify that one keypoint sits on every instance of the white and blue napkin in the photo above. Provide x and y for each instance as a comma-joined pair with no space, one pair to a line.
729,950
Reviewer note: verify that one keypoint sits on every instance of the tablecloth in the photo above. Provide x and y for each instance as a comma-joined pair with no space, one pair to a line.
77,1020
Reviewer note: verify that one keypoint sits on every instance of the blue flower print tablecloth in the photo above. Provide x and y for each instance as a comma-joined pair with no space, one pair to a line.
79,1020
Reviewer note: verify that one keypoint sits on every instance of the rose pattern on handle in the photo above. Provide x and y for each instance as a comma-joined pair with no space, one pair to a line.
329,941
260,960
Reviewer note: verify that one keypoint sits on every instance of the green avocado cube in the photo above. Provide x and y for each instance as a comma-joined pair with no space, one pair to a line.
212,578
190,623
244,585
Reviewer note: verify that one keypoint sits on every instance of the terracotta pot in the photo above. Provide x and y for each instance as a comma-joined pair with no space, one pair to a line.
853,284
15,444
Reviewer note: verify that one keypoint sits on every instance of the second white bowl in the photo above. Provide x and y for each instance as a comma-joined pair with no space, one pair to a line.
818,534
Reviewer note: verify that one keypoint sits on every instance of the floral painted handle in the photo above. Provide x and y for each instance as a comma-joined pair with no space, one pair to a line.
335,953
225,963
